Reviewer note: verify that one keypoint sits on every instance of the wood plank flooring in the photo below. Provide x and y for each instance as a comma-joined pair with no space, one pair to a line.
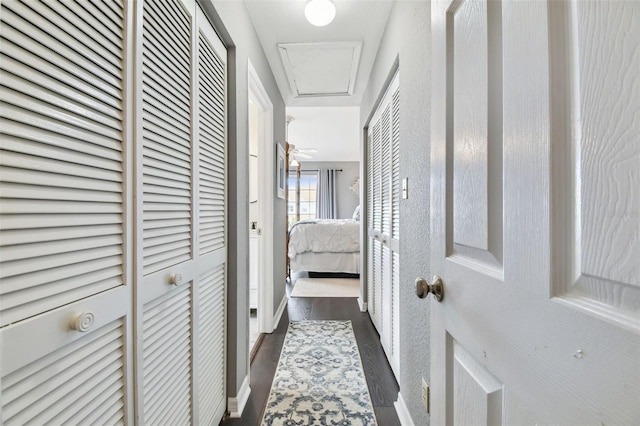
382,384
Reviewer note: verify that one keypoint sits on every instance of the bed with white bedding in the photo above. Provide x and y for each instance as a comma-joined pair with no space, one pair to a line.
325,245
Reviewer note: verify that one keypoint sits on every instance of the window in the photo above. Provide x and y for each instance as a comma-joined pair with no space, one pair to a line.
304,207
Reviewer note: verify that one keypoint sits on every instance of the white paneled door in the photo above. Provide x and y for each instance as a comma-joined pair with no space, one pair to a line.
535,224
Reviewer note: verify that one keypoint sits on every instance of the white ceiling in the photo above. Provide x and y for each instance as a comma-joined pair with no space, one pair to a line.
333,131
282,21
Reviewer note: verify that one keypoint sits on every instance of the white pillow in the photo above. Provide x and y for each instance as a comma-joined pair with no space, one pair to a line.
356,214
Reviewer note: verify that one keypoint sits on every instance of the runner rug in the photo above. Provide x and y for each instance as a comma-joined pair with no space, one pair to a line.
319,379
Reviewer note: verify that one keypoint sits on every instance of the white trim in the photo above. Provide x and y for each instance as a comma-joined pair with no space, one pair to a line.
132,18
362,304
279,312
393,362
266,159
236,404
403,411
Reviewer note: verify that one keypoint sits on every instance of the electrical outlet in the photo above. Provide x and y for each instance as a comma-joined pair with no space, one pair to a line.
425,394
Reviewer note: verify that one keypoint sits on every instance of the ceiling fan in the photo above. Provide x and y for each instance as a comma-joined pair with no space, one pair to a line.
305,153
295,153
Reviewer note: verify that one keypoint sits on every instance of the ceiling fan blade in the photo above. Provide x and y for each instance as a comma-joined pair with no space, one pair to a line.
303,155
308,150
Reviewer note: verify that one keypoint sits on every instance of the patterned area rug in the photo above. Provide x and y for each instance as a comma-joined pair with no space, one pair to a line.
319,378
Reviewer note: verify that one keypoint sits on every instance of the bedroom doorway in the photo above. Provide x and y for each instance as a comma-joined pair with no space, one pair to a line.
261,199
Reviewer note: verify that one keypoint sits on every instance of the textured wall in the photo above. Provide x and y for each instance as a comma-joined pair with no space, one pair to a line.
232,22
407,45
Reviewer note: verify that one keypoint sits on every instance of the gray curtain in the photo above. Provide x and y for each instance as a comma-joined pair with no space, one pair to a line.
327,206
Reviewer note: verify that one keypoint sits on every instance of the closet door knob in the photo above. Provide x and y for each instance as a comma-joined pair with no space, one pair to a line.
423,288
175,279
82,322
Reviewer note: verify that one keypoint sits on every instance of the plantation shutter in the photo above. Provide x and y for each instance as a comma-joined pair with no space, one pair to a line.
383,191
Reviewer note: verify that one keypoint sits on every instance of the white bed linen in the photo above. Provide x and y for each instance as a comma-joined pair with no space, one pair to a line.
324,236
326,262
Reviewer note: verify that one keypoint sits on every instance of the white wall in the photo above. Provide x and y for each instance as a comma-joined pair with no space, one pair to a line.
407,45
333,131
347,200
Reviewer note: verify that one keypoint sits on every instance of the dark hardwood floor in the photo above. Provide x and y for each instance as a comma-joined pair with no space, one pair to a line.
382,384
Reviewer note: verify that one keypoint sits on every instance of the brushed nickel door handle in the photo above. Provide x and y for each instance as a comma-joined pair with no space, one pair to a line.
423,288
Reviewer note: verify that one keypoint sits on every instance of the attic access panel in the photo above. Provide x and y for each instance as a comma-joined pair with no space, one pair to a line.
321,69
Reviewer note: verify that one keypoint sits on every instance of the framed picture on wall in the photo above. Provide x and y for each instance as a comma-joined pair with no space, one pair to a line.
281,171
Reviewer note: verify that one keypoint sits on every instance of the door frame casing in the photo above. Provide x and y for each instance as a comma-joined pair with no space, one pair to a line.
259,96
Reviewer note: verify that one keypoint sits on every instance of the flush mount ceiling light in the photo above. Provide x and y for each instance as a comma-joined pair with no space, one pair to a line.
320,12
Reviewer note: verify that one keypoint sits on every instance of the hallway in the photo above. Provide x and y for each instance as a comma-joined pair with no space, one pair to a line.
382,385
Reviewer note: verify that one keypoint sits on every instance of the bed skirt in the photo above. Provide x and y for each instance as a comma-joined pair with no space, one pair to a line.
326,262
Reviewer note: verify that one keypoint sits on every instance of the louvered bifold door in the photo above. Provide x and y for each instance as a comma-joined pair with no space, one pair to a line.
395,226
168,226
385,236
383,221
212,235
377,225
370,233
65,296
184,211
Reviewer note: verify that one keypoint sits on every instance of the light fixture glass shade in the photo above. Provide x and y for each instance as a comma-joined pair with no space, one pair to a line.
320,12
294,162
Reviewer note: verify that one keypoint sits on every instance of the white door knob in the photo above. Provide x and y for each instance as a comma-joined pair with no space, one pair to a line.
82,322
175,279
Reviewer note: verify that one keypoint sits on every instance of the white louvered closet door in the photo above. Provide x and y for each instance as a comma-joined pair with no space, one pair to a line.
183,210
385,234
395,226
168,265
376,232
211,213
370,234
383,191
65,297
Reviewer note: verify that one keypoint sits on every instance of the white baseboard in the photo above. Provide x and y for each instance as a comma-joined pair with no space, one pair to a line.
363,305
403,412
279,312
236,404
